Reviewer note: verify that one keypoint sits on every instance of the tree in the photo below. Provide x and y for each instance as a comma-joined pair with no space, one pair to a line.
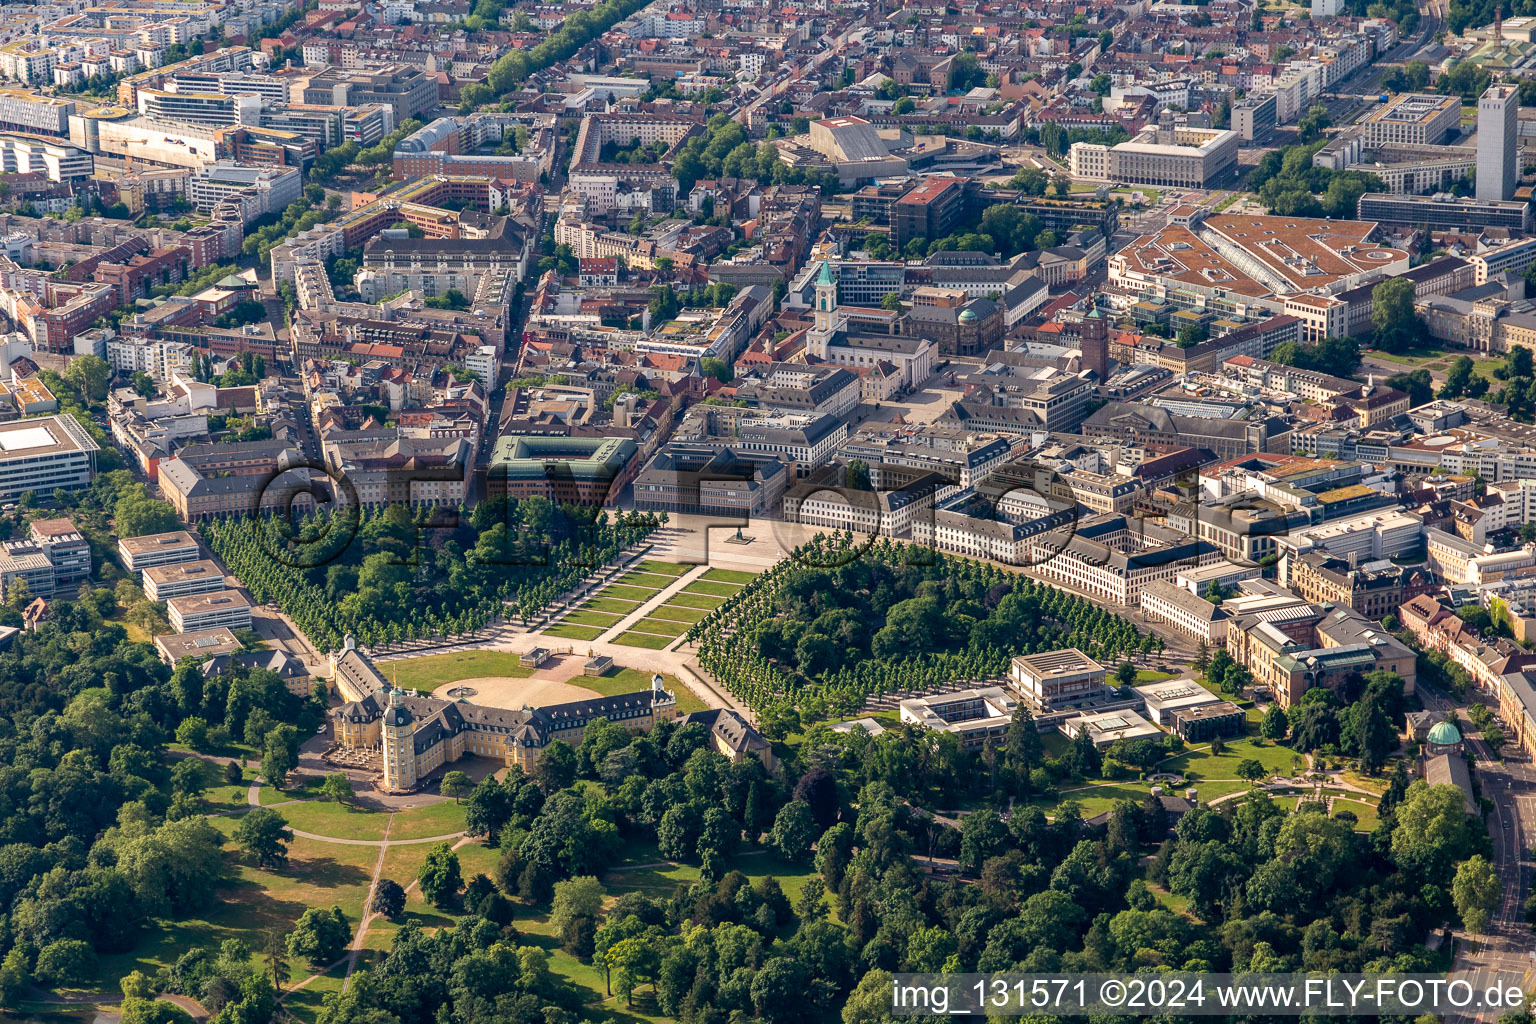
439,877
1275,724
337,787
457,785
319,936
1397,326
90,374
1475,892
264,834
65,962
892,302
1125,674
1250,770
193,733
388,899
794,830
856,475
15,977
278,760
580,897
1432,832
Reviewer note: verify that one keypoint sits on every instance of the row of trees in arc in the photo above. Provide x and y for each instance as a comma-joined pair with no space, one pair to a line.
392,574
889,617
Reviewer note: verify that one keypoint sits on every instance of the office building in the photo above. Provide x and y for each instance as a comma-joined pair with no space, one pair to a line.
972,716
45,454
1056,679
274,187
227,608
24,111
208,109
140,553
1445,212
1496,116
163,582
406,90
1192,157
1413,119
204,643
1253,117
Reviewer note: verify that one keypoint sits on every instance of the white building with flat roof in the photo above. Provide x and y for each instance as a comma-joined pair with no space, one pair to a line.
45,454
183,579
974,716
1110,727
1053,679
140,553
1164,698
227,608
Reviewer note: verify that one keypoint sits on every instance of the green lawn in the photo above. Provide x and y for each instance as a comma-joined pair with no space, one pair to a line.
665,568
1199,765
675,613
1097,799
431,672
439,819
730,576
255,902
652,643
605,604
1413,358
586,618
712,588
661,627
1148,676
338,821
639,595
701,601
629,680
648,580
575,632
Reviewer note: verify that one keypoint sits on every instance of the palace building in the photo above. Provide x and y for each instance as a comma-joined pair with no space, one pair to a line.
414,736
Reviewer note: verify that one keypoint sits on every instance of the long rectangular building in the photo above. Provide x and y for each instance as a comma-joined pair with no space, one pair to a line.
45,454
1444,212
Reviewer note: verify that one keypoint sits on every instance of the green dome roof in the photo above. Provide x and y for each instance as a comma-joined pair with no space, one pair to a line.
968,316
1444,734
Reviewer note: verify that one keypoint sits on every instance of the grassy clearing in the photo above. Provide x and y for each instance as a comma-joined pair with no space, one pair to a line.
661,627
713,589
701,601
1201,765
1098,798
586,618
730,576
639,595
1413,358
650,643
338,821
664,568
576,632
431,672
674,613
438,819
604,604
648,580
254,903
629,680
1148,676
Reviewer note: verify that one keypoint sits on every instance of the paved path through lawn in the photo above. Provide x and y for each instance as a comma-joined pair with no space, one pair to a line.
660,598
